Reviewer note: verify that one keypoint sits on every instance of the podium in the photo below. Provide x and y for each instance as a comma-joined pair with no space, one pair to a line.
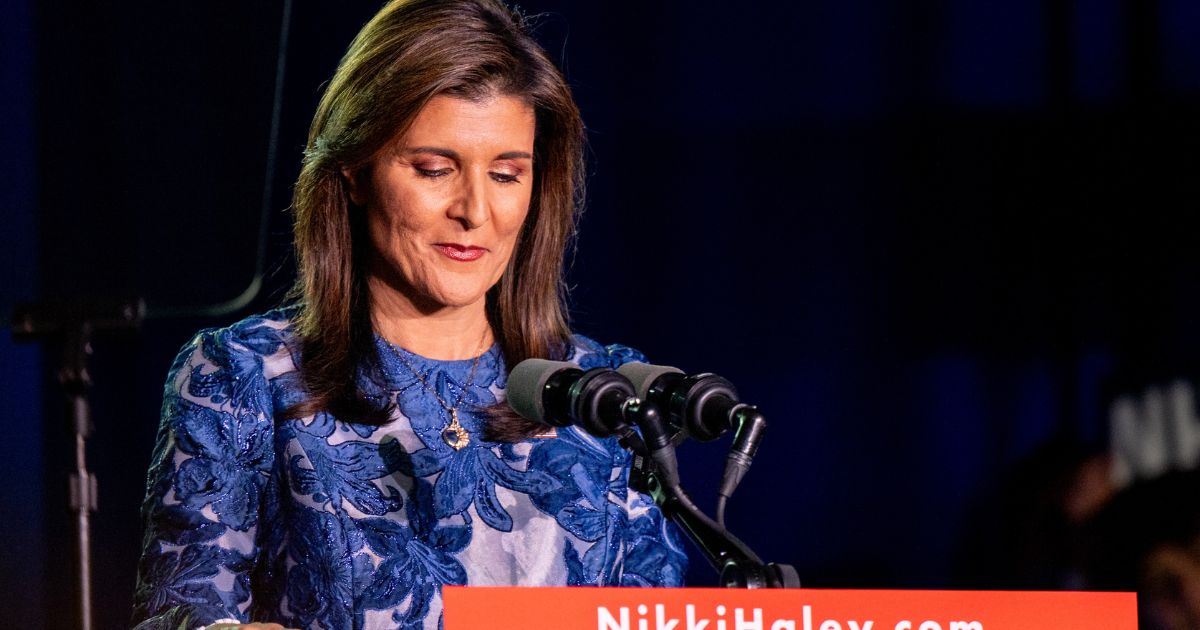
581,608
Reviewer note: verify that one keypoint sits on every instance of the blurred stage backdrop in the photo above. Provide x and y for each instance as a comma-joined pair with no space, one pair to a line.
937,242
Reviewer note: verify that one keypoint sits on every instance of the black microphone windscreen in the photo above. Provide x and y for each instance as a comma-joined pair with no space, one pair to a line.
526,384
643,375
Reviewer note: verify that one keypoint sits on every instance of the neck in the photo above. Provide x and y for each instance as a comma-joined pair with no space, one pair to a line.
448,333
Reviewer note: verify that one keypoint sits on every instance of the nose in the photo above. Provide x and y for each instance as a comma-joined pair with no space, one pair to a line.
471,207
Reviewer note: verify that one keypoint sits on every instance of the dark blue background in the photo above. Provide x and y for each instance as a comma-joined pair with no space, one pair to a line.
927,238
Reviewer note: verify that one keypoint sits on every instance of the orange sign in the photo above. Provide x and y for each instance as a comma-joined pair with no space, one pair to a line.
476,608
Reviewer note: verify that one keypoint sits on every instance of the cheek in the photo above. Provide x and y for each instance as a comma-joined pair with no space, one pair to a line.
396,219
512,228
507,235
384,229
510,223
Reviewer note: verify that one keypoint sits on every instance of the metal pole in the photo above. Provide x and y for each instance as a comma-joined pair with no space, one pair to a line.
83,501
76,381
74,324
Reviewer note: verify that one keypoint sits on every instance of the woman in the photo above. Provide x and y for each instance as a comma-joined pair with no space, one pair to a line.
333,463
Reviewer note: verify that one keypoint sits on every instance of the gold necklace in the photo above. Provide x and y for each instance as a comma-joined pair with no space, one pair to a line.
453,434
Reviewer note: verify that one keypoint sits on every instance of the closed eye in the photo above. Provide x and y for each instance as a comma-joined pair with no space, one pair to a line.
432,173
505,178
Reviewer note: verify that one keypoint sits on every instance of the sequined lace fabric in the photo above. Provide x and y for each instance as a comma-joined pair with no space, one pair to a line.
320,523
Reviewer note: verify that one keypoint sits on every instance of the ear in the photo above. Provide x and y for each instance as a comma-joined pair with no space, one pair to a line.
354,185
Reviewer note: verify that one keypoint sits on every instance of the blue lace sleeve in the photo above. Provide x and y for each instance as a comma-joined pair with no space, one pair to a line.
653,553
207,478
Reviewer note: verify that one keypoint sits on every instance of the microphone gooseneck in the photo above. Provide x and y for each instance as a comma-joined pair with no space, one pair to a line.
705,406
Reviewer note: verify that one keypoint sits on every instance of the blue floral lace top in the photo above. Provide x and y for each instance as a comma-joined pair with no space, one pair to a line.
319,523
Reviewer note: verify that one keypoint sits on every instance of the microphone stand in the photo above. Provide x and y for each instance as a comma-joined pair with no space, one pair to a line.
656,473
602,402
74,325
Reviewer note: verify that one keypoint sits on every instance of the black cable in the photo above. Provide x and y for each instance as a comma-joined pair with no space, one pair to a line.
251,291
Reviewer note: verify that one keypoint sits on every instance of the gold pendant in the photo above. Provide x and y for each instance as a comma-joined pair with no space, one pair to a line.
454,435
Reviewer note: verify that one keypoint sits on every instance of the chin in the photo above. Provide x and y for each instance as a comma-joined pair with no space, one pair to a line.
459,298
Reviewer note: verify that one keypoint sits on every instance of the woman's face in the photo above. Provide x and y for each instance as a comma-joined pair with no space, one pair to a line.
446,202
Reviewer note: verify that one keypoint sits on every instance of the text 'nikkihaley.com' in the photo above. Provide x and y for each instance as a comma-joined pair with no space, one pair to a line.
642,618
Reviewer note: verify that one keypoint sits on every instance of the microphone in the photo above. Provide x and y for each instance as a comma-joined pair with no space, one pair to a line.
600,400
704,406
560,394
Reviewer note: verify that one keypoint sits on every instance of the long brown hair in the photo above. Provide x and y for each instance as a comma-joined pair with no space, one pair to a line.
411,51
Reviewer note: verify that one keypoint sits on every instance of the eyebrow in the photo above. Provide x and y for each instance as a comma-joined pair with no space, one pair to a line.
453,155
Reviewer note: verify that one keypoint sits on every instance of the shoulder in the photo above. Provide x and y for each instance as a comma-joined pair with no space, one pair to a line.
254,338
252,350
589,353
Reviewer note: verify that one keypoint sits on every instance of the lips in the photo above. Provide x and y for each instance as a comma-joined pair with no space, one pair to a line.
461,253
